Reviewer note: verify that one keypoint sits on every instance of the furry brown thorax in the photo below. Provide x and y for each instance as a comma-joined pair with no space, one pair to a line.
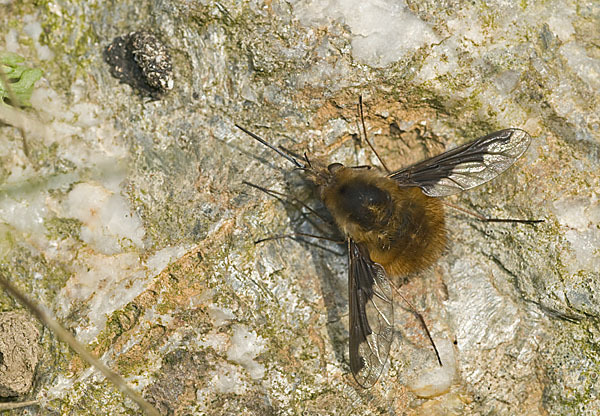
402,229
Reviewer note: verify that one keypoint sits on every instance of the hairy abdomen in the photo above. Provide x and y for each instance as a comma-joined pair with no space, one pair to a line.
415,236
402,228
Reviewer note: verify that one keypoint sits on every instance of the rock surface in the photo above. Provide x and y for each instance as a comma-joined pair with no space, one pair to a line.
129,220
19,353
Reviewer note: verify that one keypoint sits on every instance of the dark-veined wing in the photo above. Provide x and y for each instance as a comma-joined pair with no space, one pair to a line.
371,316
466,166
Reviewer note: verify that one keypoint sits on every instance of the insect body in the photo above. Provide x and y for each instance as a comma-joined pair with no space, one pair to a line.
402,229
394,225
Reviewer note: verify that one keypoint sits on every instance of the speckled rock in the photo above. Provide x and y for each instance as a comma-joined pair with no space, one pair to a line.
128,218
19,353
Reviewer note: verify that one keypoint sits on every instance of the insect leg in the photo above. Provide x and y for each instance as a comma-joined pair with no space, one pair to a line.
290,200
298,204
294,236
486,219
421,321
362,120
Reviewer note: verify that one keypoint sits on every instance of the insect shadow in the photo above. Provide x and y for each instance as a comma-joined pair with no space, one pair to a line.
393,225
327,251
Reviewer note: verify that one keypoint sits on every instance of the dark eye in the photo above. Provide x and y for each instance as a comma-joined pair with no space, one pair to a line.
334,167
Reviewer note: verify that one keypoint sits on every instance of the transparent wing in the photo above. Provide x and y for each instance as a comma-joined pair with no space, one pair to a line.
371,316
466,166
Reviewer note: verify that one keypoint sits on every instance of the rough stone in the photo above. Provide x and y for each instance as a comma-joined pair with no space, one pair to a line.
19,353
159,256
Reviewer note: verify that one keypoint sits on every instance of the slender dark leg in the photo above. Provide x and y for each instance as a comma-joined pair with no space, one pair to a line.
362,120
486,219
289,199
292,235
298,204
416,313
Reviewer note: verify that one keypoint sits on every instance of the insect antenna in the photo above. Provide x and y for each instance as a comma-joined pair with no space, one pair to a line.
414,311
362,120
486,219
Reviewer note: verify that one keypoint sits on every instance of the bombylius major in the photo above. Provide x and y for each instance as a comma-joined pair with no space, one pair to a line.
394,225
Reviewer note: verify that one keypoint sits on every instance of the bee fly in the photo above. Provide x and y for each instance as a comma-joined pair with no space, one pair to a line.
394,225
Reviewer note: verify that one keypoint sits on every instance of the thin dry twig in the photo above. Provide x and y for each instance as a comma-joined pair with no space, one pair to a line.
78,347
17,405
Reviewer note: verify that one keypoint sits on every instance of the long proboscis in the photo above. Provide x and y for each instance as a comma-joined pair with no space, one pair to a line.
66,337
270,146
